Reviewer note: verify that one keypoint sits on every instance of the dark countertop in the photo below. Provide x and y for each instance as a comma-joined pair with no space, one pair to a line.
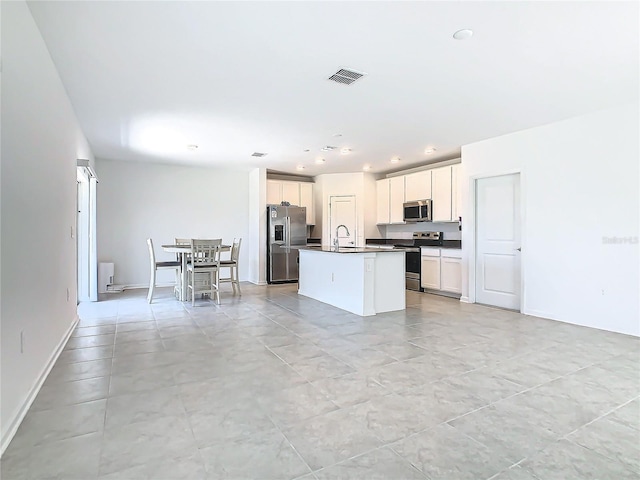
327,249
409,242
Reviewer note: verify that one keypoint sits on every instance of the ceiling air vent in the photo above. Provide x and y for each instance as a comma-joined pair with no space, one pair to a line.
258,154
346,77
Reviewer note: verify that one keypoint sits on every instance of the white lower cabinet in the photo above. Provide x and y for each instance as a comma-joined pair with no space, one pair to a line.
441,269
451,274
430,268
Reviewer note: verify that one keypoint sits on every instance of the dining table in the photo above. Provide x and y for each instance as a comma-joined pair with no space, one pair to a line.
182,250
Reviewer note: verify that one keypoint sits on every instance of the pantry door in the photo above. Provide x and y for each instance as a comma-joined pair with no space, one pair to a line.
342,211
498,241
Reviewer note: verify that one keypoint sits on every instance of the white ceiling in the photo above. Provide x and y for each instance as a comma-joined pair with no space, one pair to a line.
148,78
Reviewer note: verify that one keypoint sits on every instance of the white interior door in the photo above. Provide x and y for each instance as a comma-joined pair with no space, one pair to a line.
342,211
82,237
498,241
87,257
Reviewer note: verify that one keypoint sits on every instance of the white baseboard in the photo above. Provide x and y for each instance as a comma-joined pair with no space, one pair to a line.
17,420
464,299
262,283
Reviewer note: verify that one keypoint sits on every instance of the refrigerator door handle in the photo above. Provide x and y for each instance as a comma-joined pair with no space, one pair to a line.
287,237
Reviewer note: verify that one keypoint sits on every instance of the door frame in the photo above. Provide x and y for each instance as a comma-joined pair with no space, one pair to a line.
86,238
472,231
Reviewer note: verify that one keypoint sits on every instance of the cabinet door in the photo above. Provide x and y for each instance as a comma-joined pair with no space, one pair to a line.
274,192
456,193
441,184
451,274
382,201
430,273
396,199
417,186
291,192
306,200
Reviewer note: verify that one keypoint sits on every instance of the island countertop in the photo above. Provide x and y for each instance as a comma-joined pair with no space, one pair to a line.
325,248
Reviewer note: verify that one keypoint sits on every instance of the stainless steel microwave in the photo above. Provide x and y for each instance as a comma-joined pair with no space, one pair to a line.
418,211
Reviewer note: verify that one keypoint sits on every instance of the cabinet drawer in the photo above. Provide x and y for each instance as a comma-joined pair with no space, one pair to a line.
452,252
429,252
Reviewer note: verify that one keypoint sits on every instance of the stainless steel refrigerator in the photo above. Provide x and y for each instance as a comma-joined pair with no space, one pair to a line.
286,228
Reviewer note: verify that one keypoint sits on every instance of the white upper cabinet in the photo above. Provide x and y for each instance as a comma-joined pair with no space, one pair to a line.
291,192
396,199
456,192
382,201
441,194
274,192
417,186
439,184
306,200
296,193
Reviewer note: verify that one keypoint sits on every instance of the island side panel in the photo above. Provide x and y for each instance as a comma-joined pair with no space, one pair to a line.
389,287
333,278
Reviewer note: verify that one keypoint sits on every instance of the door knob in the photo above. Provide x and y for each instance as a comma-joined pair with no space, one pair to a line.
519,249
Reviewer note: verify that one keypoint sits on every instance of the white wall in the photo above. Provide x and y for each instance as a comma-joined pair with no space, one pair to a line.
258,226
579,183
41,140
141,200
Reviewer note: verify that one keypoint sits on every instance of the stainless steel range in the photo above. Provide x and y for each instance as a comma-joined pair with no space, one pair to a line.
412,257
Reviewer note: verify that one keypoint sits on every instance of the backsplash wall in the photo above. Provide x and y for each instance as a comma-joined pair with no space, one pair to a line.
450,230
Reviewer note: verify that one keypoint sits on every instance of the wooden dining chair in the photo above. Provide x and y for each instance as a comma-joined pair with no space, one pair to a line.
155,266
203,272
232,265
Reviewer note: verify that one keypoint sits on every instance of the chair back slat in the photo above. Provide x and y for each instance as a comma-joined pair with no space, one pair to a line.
205,253
235,249
183,241
152,253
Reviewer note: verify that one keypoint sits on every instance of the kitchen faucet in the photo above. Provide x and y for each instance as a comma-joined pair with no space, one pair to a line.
336,243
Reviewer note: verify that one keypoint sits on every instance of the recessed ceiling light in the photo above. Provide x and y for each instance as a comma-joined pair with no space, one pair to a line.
430,150
300,167
463,34
192,147
258,154
345,151
337,134
328,148
305,150
319,161
395,160
366,168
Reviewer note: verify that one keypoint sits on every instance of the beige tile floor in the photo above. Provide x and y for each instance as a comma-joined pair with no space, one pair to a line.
274,385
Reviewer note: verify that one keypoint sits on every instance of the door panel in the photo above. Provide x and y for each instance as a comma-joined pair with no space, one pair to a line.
497,241
298,226
278,264
292,264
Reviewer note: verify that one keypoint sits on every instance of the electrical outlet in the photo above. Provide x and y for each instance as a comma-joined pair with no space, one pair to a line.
332,277
68,294
72,233
21,341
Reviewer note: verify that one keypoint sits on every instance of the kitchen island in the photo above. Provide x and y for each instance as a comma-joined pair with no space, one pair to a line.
364,281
